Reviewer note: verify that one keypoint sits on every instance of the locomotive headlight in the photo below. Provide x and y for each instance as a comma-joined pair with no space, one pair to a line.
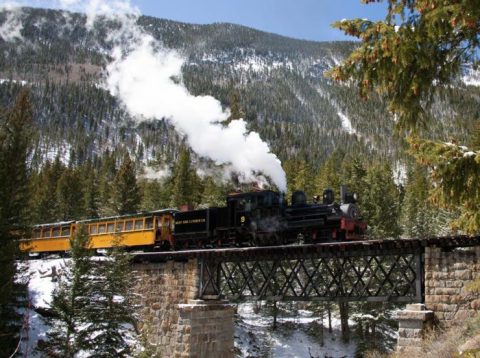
355,196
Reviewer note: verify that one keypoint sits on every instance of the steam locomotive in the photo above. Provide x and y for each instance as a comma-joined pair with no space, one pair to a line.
263,218
258,218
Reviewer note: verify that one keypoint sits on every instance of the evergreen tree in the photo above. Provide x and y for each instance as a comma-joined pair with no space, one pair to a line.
91,193
70,301
304,178
417,212
152,195
213,193
184,178
110,309
45,204
329,175
107,174
381,203
125,192
14,145
70,195
409,59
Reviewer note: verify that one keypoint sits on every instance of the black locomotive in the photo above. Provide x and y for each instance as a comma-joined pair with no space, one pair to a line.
264,218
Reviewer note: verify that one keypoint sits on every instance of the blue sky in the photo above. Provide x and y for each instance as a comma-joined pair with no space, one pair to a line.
303,19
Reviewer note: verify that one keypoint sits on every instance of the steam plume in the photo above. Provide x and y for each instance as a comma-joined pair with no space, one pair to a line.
140,75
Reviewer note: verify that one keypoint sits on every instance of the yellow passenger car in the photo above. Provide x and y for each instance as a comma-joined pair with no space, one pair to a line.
54,237
147,230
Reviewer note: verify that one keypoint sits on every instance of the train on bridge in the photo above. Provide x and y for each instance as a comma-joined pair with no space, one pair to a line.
259,218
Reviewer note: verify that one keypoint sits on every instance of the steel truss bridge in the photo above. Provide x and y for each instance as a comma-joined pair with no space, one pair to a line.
374,270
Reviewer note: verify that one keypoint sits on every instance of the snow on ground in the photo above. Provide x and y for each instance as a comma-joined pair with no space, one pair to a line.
295,337
471,77
40,290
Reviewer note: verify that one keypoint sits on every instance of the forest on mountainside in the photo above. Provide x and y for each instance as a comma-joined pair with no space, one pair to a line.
87,156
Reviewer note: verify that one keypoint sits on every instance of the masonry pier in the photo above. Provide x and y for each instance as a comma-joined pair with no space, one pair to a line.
175,323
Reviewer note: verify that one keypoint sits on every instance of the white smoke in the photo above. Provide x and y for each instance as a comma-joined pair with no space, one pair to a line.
145,77
11,28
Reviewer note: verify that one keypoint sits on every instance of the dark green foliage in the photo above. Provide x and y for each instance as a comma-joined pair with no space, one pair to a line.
375,327
184,181
420,45
125,192
110,310
412,59
91,193
70,301
91,310
380,203
15,124
155,194
70,195
213,194
418,213
456,174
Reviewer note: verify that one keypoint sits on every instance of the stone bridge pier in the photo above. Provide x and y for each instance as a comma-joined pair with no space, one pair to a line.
173,320
447,274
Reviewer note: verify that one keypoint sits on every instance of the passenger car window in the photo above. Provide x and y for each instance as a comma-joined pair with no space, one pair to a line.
101,228
66,231
139,224
93,229
128,225
148,223
110,227
120,226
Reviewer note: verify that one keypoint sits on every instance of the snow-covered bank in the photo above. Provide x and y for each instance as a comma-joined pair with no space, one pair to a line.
295,337
40,288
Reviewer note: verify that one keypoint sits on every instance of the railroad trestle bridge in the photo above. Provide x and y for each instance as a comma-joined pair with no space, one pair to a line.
434,271
375,270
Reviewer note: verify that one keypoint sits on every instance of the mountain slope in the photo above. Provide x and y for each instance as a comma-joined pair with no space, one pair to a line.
278,81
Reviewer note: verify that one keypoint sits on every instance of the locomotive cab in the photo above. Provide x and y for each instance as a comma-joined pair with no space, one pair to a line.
253,216
246,208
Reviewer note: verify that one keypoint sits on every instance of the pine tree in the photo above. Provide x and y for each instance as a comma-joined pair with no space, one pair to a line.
70,195
107,173
125,192
213,193
329,175
417,213
110,309
14,145
304,178
183,181
420,49
381,203
91,193
70,301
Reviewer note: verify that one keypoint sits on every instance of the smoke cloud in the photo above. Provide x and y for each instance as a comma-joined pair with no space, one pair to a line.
11,28
142,75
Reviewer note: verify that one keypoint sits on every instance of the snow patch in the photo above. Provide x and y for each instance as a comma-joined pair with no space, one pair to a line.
471,77
4,80
346,123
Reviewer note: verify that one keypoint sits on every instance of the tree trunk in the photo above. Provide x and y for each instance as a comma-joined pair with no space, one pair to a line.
274,315
329,308
343,306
